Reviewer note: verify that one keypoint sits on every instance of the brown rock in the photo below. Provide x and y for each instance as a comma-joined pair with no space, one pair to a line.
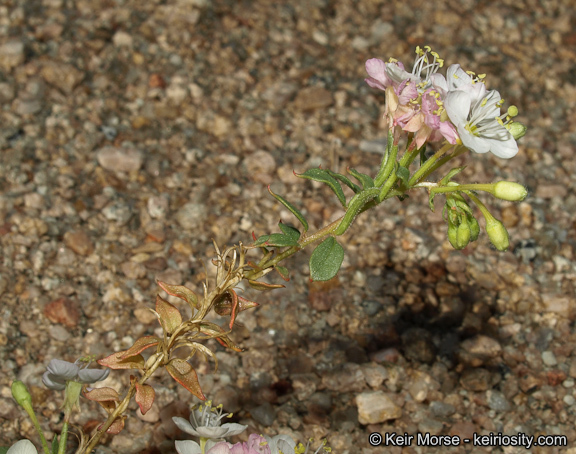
133,270
313,98
479,349
79,242
62,75
64,311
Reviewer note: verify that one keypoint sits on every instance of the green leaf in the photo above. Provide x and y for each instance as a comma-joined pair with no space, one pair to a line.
55,445
290,231
326,260
344,179
276,240
283,272
354,208
323,176
404,174
263,286
455,171
367,181
291,208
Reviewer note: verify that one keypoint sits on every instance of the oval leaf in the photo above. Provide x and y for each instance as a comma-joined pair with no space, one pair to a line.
326,260
169,315
117,361
185,374
289,231
139,346
144,397
102,395
179,291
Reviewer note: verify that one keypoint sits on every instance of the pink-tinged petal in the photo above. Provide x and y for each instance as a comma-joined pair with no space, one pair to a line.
222,447
415,123
376,69
448,131
258,444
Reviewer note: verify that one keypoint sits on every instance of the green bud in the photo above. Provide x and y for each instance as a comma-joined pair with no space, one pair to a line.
21,394
474,228
498,234
508,190
518,130
463,236
453,235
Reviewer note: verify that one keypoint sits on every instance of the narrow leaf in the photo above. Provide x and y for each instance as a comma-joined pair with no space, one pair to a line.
323,176
344,179
144,397
184,373
455,171
404,174
55,445
291,208
367,181
276,240
262,286
169,315
179,291
326,260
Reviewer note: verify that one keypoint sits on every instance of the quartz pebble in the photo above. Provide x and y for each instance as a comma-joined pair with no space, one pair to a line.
376,407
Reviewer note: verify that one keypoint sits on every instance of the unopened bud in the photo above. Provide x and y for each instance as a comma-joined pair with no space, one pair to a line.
498,234
463,236
518,130
474,228
21,394
508,190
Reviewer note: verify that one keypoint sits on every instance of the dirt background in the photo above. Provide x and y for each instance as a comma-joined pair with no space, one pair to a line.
132,133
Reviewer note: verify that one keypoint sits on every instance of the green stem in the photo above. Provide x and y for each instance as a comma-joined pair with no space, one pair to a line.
36,424
424,171
436,163
120,408
63,436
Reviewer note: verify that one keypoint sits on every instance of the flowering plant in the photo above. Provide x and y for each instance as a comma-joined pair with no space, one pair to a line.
453,114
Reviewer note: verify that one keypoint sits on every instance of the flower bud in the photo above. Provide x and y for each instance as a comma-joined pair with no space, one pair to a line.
518,130
453,235
21,394
474,228
508,190
498,234
463,234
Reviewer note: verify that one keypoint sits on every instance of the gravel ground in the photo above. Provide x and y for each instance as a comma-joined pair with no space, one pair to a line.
134,132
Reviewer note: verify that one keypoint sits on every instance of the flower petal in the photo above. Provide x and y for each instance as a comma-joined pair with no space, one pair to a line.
187,447
64,369
92,375
22,447
53,382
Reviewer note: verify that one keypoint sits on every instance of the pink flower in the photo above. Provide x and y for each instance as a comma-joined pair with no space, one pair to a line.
255,445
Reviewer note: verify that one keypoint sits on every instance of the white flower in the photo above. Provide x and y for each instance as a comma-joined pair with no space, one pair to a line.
22,447
281,444
59,372
476,115
456,79
191,447
205,422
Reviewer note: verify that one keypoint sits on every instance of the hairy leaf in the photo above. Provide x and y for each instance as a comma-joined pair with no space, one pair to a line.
344,179
366,180
326,260
289,231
